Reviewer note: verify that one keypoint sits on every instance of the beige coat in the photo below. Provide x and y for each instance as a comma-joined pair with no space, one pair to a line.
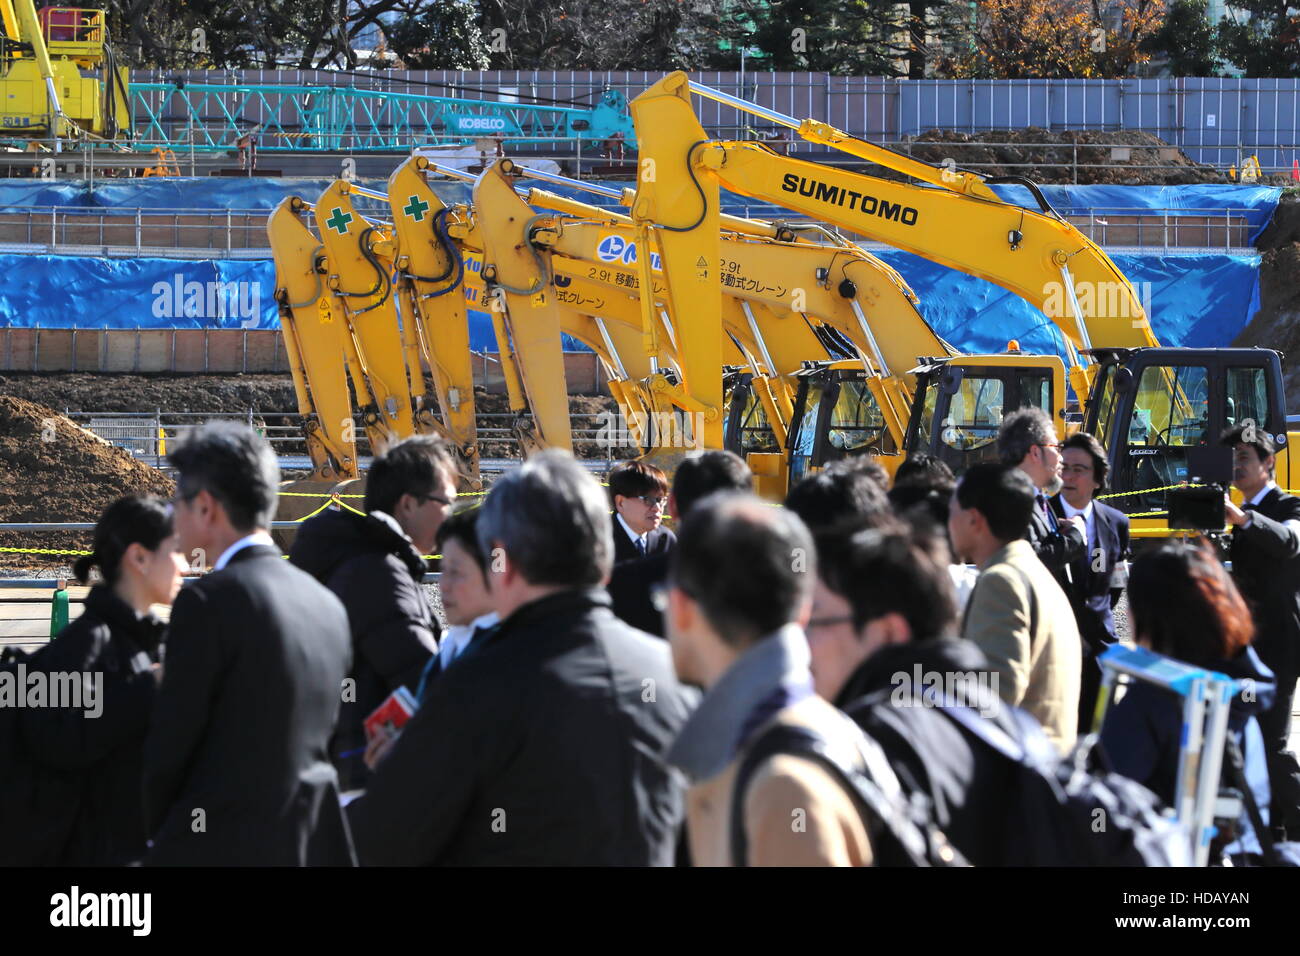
1022,621
796,814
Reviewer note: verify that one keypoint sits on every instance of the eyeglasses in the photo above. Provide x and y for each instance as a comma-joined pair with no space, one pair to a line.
438,498
651,501
828,621
1053,444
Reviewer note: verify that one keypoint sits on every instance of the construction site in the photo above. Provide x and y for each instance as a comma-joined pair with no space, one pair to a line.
342,265
187,212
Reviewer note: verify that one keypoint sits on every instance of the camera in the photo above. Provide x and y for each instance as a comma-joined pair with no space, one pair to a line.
1201,508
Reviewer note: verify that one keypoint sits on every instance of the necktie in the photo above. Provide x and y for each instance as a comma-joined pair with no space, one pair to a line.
640,546
1047,512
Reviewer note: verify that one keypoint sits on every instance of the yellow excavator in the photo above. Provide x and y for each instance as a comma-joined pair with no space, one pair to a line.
567,255
339,311
833,286
1157,410
45,89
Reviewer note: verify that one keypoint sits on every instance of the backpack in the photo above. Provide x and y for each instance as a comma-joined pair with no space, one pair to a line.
38,805
901,829
1068,811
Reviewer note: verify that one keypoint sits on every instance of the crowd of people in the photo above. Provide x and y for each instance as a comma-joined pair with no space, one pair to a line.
764,685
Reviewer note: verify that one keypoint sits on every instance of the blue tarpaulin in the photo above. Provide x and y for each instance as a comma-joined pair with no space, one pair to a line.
1193,301
1200,300
1254,203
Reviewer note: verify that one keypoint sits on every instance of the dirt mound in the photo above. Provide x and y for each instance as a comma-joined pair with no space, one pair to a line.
51,470
1065,156
82,391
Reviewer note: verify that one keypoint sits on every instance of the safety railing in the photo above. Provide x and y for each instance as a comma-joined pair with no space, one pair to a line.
241,233
147,435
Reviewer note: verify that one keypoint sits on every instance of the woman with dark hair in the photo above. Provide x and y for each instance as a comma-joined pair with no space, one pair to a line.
116,647
1183,604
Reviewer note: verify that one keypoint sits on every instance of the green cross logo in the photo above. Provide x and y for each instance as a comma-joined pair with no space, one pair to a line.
338,220
416,208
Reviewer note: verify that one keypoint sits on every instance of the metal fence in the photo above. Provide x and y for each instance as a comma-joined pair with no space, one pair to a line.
147,434
1214,120
241,233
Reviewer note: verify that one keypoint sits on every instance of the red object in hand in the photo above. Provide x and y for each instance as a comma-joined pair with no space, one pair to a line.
392,714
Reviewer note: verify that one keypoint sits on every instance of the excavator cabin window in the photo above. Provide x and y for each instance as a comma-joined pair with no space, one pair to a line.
840,419
1170,415
962,409
755,433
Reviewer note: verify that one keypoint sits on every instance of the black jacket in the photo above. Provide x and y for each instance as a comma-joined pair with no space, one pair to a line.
237,767
1091,594
103,755
631,588
658,541
376,572
965,780
1058,544
1266,567
544,746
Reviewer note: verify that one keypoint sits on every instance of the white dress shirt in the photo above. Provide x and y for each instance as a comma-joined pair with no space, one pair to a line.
457,638
1293,523
257,537
1088,513
636,538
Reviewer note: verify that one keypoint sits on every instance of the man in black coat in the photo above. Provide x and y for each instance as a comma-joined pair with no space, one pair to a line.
236,767
639,492
1027,440
1265,553
374,563
631,584
1097,575
883,612
545,745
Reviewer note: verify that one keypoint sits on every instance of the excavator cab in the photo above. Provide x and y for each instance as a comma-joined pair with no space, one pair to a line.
748,431
1159,414
959,403
836,416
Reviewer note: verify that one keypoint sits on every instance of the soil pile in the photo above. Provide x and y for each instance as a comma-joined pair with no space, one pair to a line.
1065,156
1277,323
51,470
85,392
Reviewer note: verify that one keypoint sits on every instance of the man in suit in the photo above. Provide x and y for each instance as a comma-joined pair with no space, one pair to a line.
639,493
632,582
374,563
1098,575
545,743
1265,553
1027,440
1017,614
237,769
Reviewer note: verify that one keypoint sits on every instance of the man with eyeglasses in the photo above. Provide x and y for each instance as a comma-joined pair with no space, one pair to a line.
1099,575
639,493
375,563
1027,440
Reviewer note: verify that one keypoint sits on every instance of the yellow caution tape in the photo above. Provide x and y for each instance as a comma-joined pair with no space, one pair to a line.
1147,491
42,551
